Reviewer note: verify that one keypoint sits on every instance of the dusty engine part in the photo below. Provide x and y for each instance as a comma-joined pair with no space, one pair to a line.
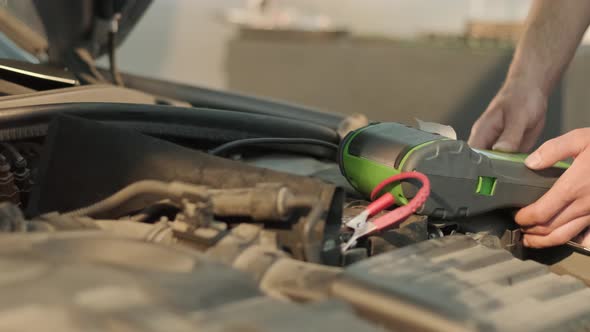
246,247
495,229
456,284
74,281
160,232
451,283
12,219
20,170
78,159
148,192
572,263
251,249
8,190
493,223
265,202
563,260
55,223
265,314
199,204
411,231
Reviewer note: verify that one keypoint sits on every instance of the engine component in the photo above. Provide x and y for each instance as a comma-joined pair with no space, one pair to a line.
148,191
84,162
11,218
72,281
414,230
264,314
265,202
455,284
8,190
447,284
19,165
251,249
272,141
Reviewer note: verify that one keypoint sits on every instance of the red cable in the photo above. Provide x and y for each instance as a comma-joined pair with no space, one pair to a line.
407,210
386,200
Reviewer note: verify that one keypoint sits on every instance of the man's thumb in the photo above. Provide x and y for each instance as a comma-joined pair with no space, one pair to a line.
560,148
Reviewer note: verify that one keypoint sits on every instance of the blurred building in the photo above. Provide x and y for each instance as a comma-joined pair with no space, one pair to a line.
437,60
187,39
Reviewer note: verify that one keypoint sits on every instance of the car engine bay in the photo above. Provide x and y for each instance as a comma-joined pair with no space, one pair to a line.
139,195
157,206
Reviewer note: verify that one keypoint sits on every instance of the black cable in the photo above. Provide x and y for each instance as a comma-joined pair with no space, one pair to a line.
247,124
210,98
208,136
178,133
224,148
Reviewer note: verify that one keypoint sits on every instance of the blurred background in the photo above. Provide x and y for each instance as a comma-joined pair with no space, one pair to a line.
393,60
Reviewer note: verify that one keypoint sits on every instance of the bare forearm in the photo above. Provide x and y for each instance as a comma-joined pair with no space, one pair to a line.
552,34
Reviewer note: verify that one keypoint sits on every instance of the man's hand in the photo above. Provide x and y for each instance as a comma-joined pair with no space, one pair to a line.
516,116
564,211
514,119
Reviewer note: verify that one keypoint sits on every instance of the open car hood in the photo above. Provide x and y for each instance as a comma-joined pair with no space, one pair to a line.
52,29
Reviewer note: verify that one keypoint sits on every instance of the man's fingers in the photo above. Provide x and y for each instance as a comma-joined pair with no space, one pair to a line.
560,148
569,187
486,130
559,236
576,209
553,202
531,136
511,137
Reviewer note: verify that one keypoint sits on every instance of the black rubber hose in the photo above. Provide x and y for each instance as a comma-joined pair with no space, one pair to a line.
176,132
254,125
223,149
15,156
209,98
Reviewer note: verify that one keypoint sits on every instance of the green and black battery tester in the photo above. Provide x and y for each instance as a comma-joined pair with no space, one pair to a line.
464,181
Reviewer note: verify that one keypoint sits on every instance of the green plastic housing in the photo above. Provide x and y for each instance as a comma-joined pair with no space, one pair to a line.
464,181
